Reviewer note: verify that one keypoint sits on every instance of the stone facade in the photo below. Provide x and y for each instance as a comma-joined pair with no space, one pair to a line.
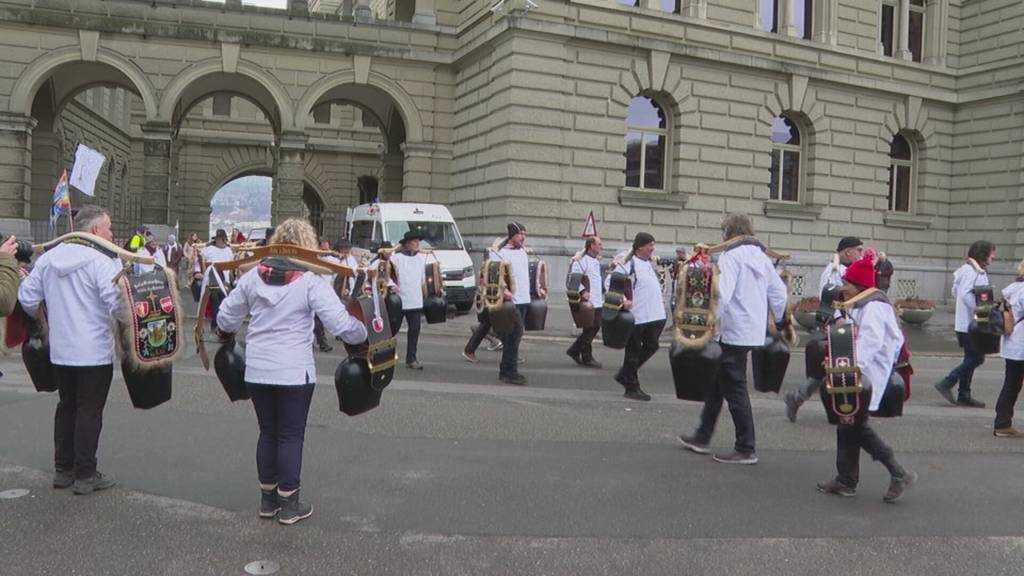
521,113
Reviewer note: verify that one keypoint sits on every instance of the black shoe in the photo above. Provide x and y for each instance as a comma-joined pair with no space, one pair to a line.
414,365
637,394
574,355
89,485
517,379
62,479
792,405
624,382
836,487
693,445
269,503
968,402
292,509
591,363
899,486
946,390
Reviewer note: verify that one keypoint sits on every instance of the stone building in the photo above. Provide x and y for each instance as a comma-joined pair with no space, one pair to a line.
900,121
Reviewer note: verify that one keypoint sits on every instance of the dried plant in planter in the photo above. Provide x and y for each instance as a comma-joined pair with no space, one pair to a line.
808,304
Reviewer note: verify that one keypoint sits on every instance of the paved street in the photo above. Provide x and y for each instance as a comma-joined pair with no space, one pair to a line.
458,474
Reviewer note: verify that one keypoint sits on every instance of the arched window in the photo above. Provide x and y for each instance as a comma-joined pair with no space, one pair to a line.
646,142
787,161
901,174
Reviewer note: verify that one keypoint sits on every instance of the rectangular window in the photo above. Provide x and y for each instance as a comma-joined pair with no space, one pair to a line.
790,175
773,179
634,146
901,193
888,28
221,105
671,6
916,29
654,152
803,17
769,10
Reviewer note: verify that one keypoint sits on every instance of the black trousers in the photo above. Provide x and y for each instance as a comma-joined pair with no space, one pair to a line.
584,344
510,344
1012,380
79,418
730,387
642,345
412,338
850,439
319,333
216,297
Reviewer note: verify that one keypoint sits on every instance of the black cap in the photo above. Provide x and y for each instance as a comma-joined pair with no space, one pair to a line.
642,239
515,228
342,244
221,234
849,242
410,235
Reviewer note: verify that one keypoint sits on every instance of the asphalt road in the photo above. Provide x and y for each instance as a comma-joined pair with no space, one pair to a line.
458,474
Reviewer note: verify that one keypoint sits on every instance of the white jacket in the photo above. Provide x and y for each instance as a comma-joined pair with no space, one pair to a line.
879,340
648,303
1013,345
747,284
76,282
279,343
964,280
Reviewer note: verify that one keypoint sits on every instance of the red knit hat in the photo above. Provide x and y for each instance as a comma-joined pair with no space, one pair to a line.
862,272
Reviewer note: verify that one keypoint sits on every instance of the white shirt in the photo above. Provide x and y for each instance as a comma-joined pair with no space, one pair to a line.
412,275
279,343
212,253
879,340
1013,345
158,256
747,284
832,276
353,263
648,304
591,267
964,280
520,271
331,276
76,282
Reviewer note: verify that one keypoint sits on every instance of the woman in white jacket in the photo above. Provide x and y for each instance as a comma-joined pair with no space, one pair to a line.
280,373
1013,353
972,273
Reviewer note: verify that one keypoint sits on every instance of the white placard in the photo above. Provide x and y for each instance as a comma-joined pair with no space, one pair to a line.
88,164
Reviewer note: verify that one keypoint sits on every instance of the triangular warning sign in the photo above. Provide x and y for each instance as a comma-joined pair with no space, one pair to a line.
590,228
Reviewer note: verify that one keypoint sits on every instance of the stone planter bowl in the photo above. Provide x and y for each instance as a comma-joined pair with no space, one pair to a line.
806,319
915,315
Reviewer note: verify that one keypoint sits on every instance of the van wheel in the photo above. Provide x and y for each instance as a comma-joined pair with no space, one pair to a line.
463,306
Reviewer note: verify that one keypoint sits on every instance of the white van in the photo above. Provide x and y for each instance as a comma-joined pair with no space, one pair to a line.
372,225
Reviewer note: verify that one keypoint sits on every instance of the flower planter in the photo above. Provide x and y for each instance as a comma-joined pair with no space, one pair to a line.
916,315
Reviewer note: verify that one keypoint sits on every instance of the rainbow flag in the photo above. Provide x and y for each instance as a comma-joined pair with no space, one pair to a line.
61,201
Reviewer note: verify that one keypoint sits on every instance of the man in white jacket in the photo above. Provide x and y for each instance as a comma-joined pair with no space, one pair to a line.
748,284
877,348
972,273
648,309
76,282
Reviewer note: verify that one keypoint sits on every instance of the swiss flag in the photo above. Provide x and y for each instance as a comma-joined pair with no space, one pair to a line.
166,304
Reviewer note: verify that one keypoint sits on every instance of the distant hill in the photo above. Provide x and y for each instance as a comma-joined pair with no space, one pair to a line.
244,203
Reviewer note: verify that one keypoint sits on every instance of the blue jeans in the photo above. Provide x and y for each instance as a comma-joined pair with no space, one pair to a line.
964,373
282,413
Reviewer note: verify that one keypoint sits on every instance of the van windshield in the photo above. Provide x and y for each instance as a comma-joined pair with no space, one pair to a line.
436,235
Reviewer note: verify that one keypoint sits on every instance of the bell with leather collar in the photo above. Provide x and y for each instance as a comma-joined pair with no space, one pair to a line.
35,353
695,370
147,388
229,364
769,364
